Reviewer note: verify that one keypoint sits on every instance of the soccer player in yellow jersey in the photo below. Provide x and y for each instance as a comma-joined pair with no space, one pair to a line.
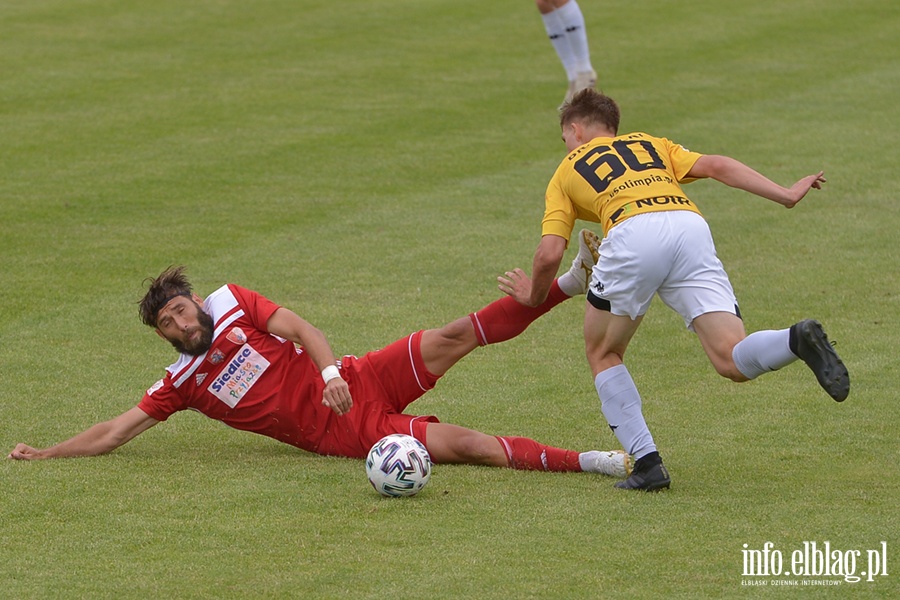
656,242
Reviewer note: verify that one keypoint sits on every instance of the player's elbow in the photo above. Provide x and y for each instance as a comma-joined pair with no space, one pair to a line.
111,437
100,446
550,252
112,442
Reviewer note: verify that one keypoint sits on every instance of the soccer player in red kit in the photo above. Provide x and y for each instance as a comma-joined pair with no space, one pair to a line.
260,367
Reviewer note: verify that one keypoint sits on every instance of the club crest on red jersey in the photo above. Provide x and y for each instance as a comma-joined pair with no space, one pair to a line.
216,356
237,336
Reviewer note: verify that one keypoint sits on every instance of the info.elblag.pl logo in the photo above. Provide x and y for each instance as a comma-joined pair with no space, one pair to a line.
812,563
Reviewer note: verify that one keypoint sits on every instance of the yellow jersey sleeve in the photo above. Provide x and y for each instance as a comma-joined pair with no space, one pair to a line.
610,179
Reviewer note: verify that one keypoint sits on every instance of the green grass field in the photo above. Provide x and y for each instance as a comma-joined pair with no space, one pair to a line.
374,166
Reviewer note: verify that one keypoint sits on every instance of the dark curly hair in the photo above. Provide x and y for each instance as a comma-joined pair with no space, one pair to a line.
170,283
590,107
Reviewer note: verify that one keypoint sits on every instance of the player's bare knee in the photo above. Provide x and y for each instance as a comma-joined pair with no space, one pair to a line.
458,333
602,359
734,376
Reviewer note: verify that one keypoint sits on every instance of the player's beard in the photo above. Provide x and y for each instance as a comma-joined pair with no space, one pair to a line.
196,347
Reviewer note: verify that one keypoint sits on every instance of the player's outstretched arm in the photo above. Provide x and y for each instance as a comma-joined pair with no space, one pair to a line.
99,439
736,174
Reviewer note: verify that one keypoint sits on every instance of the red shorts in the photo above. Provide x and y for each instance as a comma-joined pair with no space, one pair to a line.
382,383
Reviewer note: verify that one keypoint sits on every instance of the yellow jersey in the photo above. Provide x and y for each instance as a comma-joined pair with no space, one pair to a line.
608,180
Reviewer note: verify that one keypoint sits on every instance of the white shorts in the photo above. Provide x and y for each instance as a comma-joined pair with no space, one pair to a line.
670,253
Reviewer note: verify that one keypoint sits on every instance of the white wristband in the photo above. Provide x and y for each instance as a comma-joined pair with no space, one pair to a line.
330,372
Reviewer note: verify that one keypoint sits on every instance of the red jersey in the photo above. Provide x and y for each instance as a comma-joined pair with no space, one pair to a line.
255,381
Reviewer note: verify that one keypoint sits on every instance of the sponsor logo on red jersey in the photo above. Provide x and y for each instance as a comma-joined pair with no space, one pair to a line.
239,375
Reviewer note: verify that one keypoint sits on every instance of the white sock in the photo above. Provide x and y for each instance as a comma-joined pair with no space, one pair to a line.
570,285
576,34
621,405
763,351
595,461
556,31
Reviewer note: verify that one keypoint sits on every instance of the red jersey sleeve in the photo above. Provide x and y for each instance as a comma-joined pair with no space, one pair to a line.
257,308
162,400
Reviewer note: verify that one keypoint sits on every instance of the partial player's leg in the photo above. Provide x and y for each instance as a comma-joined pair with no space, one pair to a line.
636,258
719,333
452,444
606,340
505,318
743,358
564,23
698,285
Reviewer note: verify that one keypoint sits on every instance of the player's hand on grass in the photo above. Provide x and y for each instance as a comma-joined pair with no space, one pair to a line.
24,452
337,396
802,187
516,284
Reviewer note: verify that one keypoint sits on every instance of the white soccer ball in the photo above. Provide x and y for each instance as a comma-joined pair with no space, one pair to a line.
398,465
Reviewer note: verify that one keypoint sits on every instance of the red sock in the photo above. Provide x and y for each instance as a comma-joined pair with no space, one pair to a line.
528,455
505,318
